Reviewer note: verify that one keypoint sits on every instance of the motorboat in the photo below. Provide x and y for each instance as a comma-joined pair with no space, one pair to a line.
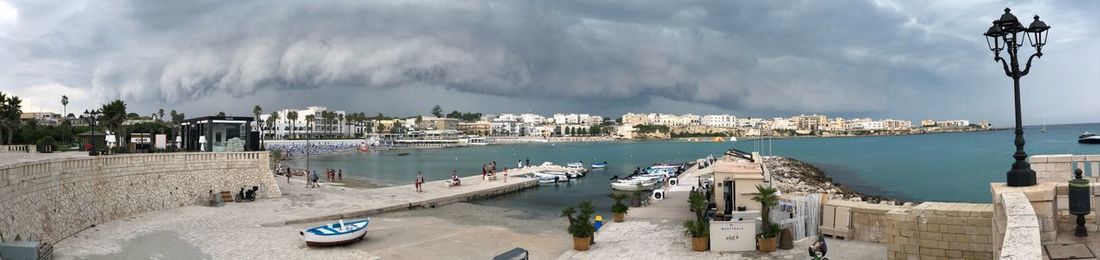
546,178
1088,138
633,185
338,233
599,165
575,165
556,176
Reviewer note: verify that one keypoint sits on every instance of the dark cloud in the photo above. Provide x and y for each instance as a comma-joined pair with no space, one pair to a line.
845,57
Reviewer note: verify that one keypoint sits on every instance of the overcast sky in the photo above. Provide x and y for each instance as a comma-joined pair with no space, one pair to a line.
882,59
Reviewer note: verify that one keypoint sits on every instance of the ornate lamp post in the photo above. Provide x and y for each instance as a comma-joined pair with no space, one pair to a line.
1003,35
92,118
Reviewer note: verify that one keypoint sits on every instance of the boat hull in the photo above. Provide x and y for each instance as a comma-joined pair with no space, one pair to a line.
1090,140
632,186
335,234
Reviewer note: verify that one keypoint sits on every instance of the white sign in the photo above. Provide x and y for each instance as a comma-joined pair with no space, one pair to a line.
161,141
733,235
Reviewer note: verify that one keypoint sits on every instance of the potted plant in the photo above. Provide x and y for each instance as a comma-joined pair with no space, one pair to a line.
619,209
698,228
580,224
767,240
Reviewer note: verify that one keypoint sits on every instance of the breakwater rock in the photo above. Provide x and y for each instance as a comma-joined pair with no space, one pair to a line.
794,176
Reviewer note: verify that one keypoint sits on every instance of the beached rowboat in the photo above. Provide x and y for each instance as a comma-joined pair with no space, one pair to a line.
339,233
633,185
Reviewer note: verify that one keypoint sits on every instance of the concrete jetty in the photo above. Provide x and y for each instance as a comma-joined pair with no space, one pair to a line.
365,202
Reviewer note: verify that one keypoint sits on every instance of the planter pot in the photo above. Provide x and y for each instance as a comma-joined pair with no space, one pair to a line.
700,244
766,244
786,240
619,217
582,243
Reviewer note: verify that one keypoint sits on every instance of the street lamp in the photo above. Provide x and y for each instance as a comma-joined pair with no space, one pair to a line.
92,118
1003,35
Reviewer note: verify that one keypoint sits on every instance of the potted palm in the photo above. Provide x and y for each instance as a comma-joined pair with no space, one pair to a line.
580,224
767,197
618,209
698,228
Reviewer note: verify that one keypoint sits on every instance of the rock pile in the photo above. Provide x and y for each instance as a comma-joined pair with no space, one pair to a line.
794,176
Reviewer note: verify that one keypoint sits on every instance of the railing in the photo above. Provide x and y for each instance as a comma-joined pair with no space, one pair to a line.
1021,239
19,148
1060,167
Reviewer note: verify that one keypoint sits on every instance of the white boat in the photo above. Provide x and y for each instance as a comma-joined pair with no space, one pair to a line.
556,176
546,179
336,233
599,165
575,165
1088,138
633,185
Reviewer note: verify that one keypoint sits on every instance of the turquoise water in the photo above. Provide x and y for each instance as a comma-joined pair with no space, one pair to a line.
940,167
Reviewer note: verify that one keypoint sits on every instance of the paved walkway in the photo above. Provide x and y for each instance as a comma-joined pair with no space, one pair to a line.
268,228
656,232
13,158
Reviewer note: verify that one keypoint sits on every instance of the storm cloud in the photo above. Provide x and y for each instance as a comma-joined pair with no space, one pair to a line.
775,56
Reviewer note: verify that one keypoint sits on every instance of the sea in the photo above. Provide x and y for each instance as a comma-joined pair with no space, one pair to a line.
928,167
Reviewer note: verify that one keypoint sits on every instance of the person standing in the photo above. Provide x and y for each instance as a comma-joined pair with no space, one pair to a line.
527,163
288,174
505,174
340,175
419,181
484,171
493,165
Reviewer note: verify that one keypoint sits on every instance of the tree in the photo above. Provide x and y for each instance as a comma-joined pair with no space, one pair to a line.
114,114
10,109
292,116
256,111
64,111
309,124
271,120
437,111
160,114
222,114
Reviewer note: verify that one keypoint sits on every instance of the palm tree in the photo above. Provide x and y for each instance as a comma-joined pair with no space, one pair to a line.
10,109
309,124
256,111
114,114
271,120
340,126
160,114
65,111
292,116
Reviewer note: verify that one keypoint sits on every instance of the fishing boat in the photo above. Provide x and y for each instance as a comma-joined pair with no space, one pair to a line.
1088,138
338,233
556,176
546,178
633,184
599,165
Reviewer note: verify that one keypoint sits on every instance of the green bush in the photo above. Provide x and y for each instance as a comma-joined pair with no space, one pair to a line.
47,140
580,223
618,207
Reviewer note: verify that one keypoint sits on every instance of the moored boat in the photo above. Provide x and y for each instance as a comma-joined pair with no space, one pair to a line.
1088,138
339,233
633,185
599,165
575,165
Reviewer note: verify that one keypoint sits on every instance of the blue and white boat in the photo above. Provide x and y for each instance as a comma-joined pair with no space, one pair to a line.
339,233
599,165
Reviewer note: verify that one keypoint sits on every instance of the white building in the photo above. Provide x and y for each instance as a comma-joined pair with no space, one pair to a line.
719,120
953,123
894,124
286,128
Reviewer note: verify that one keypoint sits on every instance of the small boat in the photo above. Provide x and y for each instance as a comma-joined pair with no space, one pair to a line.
633,185
1088,138
575,165
546,179
339,233
599,165
402,154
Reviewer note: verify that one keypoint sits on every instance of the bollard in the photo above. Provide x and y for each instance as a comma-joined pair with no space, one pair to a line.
1079,196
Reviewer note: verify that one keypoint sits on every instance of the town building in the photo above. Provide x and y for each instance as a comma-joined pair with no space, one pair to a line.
481,128
719,121
283,128
43,118
219,134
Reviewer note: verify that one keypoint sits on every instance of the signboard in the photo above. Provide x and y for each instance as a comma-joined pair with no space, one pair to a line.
733,235
161,141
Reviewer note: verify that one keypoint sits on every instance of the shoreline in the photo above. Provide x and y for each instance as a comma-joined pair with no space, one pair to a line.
790,175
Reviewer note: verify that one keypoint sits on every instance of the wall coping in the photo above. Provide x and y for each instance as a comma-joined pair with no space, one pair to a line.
1022,239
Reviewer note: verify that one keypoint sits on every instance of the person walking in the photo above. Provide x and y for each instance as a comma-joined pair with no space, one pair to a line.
288,174
419,181
313,179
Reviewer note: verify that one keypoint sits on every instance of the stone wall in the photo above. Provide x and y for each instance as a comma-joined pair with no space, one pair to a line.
939,230
1059,167
49,200
868,220
1021,233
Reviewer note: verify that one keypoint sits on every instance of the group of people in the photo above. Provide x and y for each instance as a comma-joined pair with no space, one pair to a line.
489,171
331,175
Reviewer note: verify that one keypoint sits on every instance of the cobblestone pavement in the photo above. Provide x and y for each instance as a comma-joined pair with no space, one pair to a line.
666,240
